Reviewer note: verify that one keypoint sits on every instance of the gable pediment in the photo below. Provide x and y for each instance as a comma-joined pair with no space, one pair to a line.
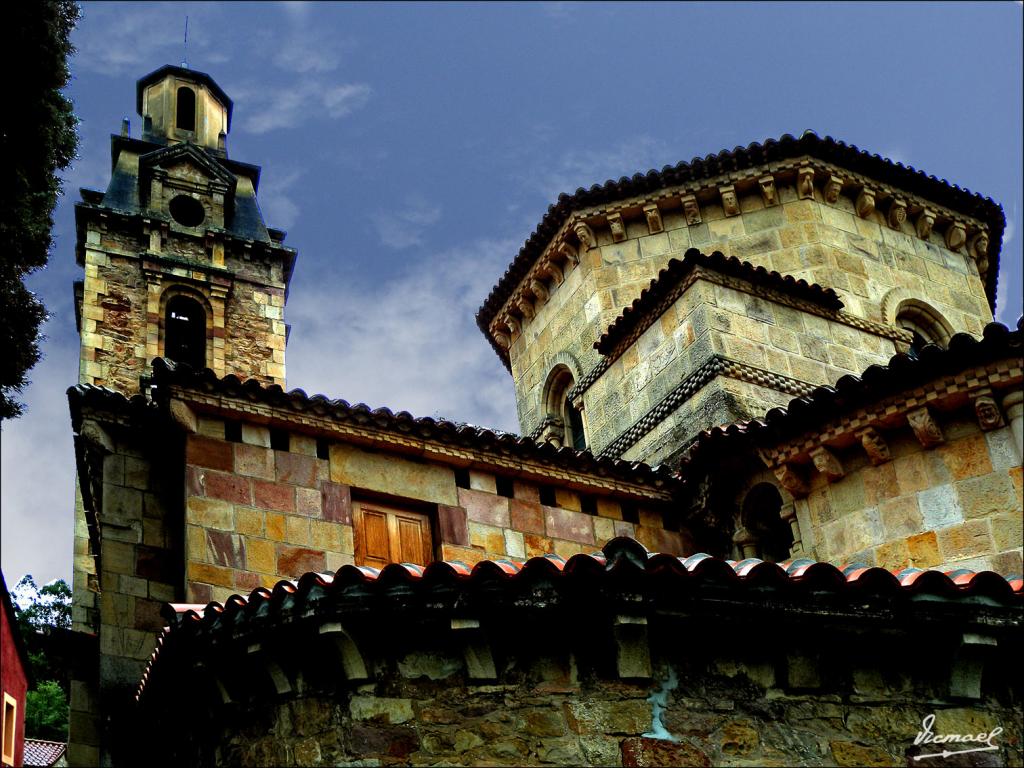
186,161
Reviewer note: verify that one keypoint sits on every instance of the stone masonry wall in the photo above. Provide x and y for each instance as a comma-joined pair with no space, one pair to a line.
710,320
958,504
257,515
871,265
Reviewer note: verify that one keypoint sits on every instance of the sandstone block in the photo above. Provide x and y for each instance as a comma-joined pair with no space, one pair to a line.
587,717
254,461
336,503
940,507
640,752
1007,530
207,452
210,574
566,524
986,495
390,474
276,496
296,530
220,485
295,468
483,507
849,753
326,536
308,502
261,555
924,550
482,481
211,513
966,457
294,561
526,516
467,555
276,527
738,739
967,540
381,709
453,525
537,546
488,537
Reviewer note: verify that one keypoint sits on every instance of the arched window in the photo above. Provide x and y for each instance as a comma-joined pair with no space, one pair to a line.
186,113
564,419
185,332
924,322
760,514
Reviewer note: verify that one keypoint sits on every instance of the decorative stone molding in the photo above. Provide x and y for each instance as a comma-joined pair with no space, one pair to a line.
570,254
832,188
653,216
539,290
826,462
746,542
865,203
925,222
926,429
585,234
768,194
691,210
791,480
714,366
897,213
956,236
617,226
526,307
1014,405
987,411
730,203
805,183
874,445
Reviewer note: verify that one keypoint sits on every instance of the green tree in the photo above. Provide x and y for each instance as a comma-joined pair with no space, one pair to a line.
42,613
37,140
46,712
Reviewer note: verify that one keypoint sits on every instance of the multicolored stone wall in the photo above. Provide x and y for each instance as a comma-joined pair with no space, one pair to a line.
256,515
958,504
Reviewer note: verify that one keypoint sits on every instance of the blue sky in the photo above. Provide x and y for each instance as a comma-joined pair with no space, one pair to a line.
409,150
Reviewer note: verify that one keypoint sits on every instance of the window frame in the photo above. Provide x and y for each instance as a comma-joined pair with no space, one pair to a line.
393,514
10,705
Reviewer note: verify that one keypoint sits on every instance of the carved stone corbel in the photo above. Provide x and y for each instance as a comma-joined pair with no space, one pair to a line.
525,306
691,210
924,224
552,271
538,289
791,480
730,203
475,649
826,462
654,223
875,445
586,236
988,413
512,323
570,254
956,236
633,653
767,184
503,340
183,416
833,187
926,429
805,183
617,226
351,658
865,203
897,213
979,247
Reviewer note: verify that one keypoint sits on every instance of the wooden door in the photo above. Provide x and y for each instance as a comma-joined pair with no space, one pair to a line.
385,535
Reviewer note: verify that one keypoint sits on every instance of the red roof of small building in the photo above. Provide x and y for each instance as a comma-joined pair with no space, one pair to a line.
39,752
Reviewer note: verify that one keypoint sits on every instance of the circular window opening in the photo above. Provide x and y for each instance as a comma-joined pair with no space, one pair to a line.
187,211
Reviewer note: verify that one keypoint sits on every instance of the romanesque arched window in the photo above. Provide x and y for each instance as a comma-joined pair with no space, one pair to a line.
185,332
760,514
565,422
186,110
924,322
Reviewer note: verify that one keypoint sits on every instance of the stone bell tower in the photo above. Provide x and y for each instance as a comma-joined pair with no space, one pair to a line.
178,260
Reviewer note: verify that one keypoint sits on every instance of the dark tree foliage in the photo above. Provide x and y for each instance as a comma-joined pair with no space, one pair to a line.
37,139
41,614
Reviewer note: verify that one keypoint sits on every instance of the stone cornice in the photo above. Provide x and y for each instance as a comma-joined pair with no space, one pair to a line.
715,366
968,221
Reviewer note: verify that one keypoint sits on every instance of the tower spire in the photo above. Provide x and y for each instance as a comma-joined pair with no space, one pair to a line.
184,60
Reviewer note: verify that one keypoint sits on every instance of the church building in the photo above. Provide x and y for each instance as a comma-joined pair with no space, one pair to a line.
765,506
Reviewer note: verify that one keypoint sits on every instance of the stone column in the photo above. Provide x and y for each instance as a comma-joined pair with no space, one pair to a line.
1013,405
788,514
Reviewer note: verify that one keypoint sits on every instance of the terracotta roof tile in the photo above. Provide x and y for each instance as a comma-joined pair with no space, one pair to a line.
800,578
39,752
669,277
810,144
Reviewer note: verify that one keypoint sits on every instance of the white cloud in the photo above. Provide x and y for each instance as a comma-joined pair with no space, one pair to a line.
279,209
271,108
37,467
585,167
405,227
409,343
